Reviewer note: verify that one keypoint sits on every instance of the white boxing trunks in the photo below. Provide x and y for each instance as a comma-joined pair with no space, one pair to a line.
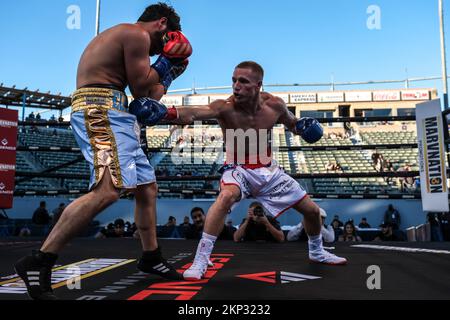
270,185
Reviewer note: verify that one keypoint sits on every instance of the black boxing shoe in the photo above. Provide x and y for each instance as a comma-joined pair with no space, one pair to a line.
152,262
36,272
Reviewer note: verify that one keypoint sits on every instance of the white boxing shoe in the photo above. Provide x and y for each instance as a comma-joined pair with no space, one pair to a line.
198,268
325,257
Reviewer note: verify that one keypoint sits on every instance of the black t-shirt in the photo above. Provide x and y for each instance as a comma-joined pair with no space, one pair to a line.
41,216
363,225
392,237
258,232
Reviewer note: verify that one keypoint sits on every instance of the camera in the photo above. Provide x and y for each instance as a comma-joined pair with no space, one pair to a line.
258,211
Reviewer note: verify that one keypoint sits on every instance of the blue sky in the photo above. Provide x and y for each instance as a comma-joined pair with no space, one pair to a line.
296,41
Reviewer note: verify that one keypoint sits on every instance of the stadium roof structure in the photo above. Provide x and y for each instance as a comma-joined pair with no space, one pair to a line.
33,99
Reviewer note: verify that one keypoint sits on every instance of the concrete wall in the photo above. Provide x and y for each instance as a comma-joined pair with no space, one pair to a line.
410,210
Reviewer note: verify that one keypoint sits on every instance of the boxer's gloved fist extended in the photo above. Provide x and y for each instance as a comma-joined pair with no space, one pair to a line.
309,129
173,59
149,111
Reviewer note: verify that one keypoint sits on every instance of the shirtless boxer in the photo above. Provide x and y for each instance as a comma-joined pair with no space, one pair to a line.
109,136
253,173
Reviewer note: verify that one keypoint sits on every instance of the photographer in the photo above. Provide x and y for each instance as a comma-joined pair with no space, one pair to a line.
257,226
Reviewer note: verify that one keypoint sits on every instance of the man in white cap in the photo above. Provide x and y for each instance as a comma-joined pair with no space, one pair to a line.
327,232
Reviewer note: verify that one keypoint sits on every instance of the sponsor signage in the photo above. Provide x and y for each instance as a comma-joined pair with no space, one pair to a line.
386,95
8,142
330,97
172,100
196,100
415,95
355,96
430,138
303,97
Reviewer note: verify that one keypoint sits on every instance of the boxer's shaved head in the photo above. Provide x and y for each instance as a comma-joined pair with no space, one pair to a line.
255,67
162,10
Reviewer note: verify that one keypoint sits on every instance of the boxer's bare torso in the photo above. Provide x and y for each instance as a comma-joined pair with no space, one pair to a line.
103,59
119,57
245,122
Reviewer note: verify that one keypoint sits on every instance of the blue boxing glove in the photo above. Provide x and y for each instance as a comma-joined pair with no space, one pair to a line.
309,129
173,59
149,111
175,71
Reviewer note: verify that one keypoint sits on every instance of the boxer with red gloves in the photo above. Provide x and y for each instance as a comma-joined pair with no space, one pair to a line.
105,130
171,63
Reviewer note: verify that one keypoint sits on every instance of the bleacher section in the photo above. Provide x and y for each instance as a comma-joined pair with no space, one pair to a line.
399,157
292,162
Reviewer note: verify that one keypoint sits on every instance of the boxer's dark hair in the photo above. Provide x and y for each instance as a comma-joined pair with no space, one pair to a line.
197,209
255,67
255,204
162,10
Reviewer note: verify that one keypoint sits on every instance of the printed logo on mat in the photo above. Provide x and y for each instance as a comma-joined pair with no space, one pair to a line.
64,275
275,277
184,289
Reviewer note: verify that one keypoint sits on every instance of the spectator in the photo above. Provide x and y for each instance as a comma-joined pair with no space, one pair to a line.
38,116
340,223
186,222
185,226
364,224
387,234
114,230
52,118
31,116
257,226
392,217
40,215
337,229
377,161
57,213
196,229
299,232
433,218
60,119
333,166
172,222
169,230
388,167
445,223
228,231
406,183
349,233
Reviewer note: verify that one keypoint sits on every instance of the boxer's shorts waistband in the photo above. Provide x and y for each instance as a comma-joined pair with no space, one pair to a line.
99,98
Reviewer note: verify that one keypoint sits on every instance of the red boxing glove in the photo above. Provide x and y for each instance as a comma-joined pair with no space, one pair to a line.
176,46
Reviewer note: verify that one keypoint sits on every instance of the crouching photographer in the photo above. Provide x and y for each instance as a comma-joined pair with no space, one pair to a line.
258,226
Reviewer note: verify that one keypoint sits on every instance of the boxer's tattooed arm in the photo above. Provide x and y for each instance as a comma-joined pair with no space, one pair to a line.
187,115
